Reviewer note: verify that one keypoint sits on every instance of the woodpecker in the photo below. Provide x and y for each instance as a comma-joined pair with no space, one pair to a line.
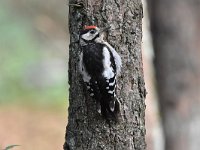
100,65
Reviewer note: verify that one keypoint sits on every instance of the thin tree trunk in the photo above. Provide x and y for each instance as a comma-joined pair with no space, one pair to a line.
86,130
175,27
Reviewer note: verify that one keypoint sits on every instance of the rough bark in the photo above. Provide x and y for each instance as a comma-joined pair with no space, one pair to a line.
86,130
175,27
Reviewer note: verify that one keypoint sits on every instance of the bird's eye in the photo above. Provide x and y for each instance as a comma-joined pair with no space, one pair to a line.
92,32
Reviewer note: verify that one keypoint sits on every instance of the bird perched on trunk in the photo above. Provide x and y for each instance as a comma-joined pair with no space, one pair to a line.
99,65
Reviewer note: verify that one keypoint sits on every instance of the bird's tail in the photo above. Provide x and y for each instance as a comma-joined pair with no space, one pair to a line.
110,108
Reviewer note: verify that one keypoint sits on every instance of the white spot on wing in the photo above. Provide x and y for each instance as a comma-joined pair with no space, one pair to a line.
111,92
111,84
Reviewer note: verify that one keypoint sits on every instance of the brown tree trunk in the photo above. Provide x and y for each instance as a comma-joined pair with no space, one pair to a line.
86,130
176,38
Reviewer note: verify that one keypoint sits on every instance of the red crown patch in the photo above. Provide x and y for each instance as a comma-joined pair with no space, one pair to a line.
89,27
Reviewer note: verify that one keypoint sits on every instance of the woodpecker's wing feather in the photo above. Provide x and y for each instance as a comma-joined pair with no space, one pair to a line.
108,101
108,71
99,65
117,58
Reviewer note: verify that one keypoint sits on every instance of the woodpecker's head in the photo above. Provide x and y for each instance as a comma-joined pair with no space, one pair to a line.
92,34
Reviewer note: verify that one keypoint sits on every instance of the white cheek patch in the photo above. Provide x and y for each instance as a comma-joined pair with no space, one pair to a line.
88,36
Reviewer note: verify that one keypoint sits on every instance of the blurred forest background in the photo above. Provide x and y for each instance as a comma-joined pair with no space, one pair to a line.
33,73
34,42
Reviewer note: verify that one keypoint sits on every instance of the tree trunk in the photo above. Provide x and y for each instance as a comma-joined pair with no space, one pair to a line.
86,130
176,37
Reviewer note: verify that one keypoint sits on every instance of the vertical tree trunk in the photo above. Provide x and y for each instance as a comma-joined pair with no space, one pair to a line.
86,130
175,27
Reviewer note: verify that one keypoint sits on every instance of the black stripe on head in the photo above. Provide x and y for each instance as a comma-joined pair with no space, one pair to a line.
85,31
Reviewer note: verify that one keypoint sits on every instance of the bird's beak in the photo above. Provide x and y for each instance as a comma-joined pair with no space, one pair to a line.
104,29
